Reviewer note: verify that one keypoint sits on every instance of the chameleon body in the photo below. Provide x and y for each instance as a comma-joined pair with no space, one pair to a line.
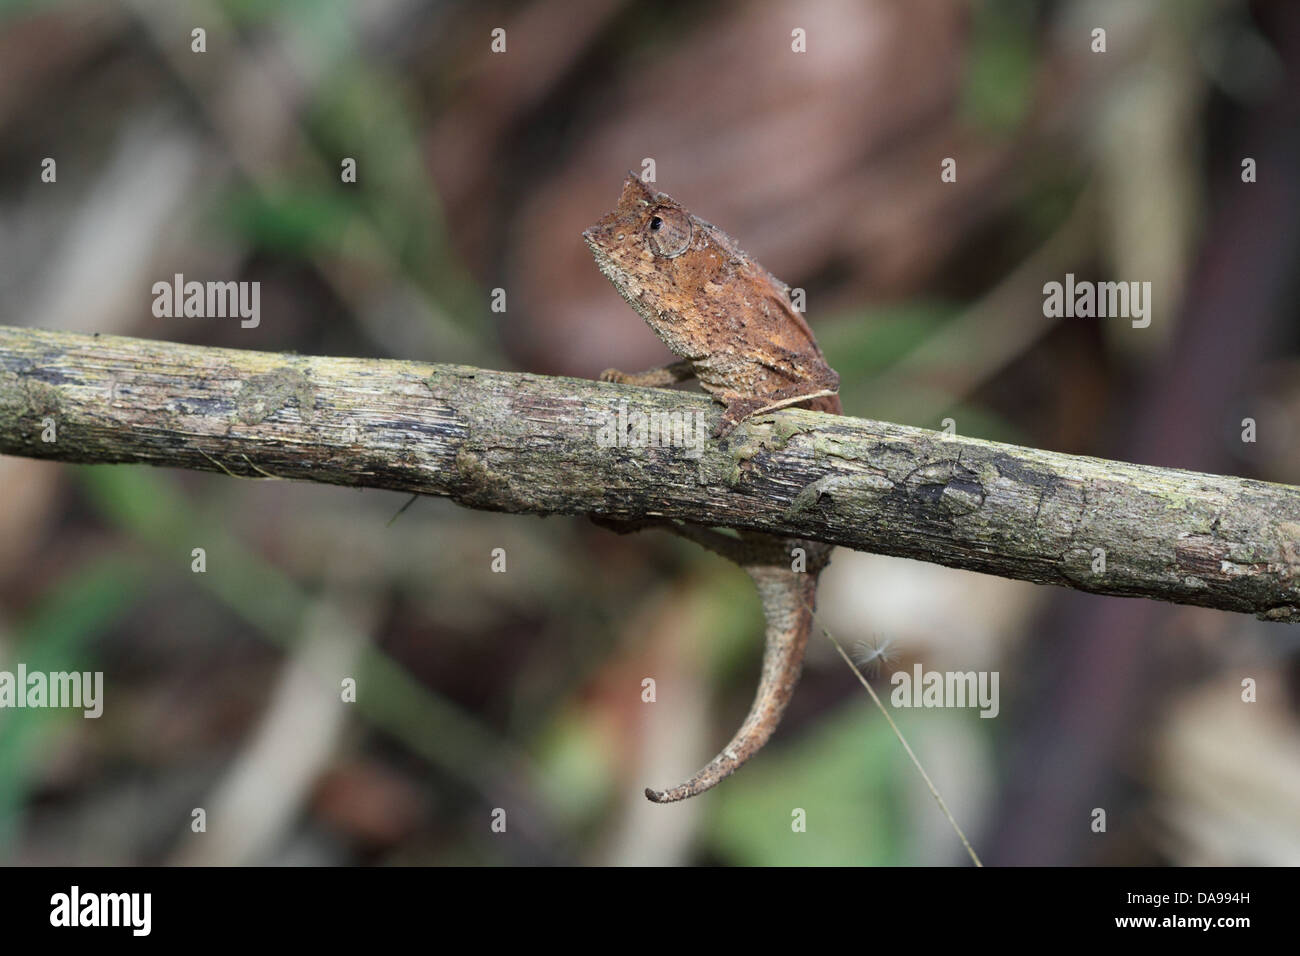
736,331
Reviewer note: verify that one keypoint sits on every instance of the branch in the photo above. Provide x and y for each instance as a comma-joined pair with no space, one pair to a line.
529,444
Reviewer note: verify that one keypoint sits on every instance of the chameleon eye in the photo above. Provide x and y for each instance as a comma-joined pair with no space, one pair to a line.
670,232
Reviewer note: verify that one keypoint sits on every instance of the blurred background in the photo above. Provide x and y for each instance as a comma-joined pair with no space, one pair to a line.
522,691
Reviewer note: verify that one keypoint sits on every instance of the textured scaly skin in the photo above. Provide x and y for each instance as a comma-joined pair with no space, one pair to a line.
733,325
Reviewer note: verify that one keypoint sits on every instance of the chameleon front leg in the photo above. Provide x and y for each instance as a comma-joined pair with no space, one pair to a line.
660,377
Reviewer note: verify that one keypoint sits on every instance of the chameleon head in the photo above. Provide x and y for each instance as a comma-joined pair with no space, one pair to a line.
641,248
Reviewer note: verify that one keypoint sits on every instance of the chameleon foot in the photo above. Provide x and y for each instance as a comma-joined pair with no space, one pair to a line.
660,377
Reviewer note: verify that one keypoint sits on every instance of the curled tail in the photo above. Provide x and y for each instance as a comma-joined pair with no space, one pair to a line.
787,598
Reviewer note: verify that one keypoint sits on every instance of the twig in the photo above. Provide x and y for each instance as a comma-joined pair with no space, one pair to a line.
934,791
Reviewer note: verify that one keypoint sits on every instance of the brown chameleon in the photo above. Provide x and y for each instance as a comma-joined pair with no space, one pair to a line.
737,332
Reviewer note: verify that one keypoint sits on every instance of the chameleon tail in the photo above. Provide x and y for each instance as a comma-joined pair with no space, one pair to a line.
787,597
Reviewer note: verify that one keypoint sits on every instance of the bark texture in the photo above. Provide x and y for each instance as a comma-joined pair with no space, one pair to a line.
533,444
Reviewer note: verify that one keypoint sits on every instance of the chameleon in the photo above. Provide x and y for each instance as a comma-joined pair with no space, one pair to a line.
735,330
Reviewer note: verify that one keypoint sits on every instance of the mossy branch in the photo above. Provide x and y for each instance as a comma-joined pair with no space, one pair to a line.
530,444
